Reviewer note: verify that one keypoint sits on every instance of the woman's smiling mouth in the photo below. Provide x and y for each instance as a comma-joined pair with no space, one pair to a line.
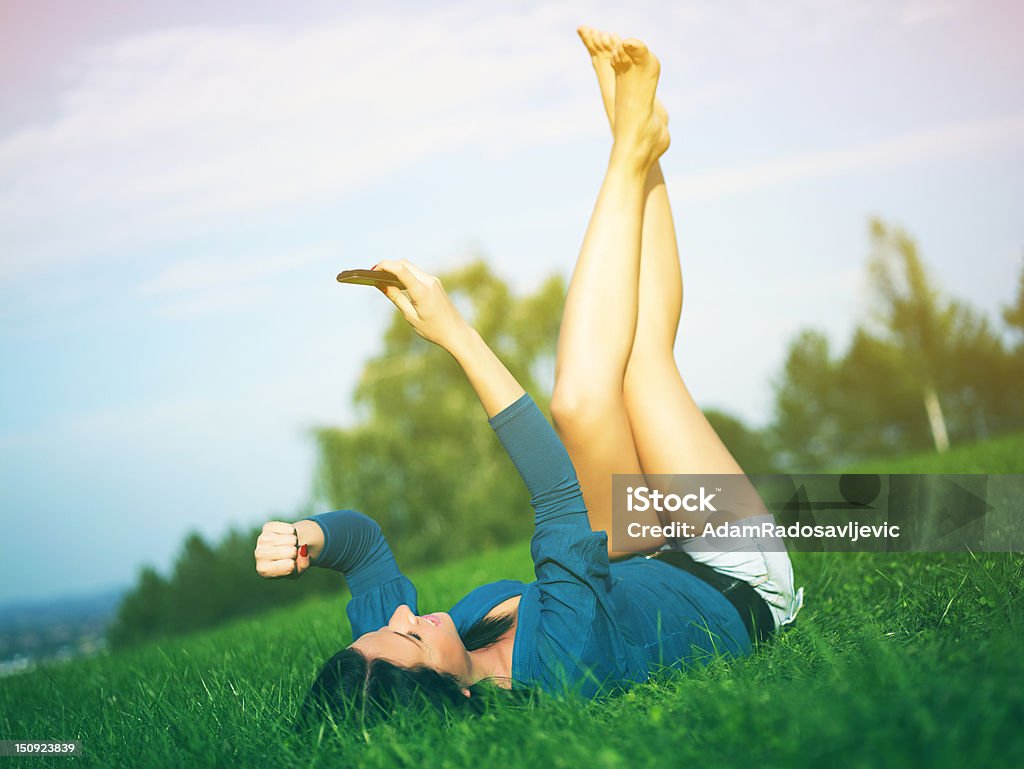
432,619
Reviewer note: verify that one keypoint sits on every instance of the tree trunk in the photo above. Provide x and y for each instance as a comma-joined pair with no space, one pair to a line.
936,420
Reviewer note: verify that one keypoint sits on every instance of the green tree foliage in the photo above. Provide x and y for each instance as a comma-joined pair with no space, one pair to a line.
804,426
924,370
207,585
1013,314
750,448
140,614
423,462
913,318
832,411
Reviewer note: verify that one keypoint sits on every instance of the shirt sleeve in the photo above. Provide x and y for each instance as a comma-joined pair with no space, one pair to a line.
579,642
355,546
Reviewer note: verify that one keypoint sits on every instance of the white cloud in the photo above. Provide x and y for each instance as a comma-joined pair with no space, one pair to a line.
955,139
284,397
199,286
217,272
220,300
183,129
179,131
922,11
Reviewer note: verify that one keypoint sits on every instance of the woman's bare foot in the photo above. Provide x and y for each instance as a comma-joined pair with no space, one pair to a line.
600,46
640,133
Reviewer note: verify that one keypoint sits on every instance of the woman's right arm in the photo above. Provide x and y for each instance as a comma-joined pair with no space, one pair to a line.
341,540
345,541
354,545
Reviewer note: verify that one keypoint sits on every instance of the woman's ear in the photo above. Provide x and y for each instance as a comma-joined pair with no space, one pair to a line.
466,692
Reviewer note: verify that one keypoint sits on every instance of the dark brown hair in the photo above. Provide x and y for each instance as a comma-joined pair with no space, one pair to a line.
351,686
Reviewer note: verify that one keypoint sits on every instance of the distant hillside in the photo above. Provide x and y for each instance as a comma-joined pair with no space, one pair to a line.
56,628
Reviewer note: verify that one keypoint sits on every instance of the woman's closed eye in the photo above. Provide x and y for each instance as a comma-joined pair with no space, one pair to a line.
410,636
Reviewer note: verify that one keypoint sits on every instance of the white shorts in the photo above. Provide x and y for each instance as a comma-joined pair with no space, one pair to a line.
762,563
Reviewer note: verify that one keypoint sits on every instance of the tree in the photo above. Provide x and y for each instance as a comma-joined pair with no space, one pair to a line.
1013,314
918,323
805,429
1012,372
877,401
208,585
750,448
925,370
140,614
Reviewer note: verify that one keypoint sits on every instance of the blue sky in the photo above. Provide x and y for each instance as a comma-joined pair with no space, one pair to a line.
179,186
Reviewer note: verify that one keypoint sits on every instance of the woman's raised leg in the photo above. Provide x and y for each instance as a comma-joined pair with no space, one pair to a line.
670,432
600,316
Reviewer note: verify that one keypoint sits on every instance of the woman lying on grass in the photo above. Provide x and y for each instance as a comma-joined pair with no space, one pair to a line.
587,624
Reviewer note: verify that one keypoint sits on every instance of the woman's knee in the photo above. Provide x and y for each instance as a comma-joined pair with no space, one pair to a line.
578,409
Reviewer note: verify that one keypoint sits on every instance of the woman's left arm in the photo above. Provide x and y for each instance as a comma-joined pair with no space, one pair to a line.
432,314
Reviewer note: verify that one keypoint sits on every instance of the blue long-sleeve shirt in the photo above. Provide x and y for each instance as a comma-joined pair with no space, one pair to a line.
584,625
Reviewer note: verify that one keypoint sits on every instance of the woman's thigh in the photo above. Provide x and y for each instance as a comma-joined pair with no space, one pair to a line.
670,432
599,440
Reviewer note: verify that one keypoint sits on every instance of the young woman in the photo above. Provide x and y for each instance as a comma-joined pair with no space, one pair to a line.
588,624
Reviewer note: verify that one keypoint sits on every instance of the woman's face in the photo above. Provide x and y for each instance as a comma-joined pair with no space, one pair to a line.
410,641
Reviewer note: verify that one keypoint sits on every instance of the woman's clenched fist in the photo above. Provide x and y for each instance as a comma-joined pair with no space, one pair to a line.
278,552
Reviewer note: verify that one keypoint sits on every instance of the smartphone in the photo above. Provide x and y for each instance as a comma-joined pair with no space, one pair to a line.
370,278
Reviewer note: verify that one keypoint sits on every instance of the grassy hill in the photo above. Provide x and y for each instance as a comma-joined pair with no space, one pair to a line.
897,660
1004,454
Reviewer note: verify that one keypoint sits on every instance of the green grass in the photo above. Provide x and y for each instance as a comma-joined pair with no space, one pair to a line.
1004,454
896,660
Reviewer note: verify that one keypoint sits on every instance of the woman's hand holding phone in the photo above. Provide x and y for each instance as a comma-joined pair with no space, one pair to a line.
432,314
425,304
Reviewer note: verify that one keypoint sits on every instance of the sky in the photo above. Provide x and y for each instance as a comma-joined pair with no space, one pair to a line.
180,183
